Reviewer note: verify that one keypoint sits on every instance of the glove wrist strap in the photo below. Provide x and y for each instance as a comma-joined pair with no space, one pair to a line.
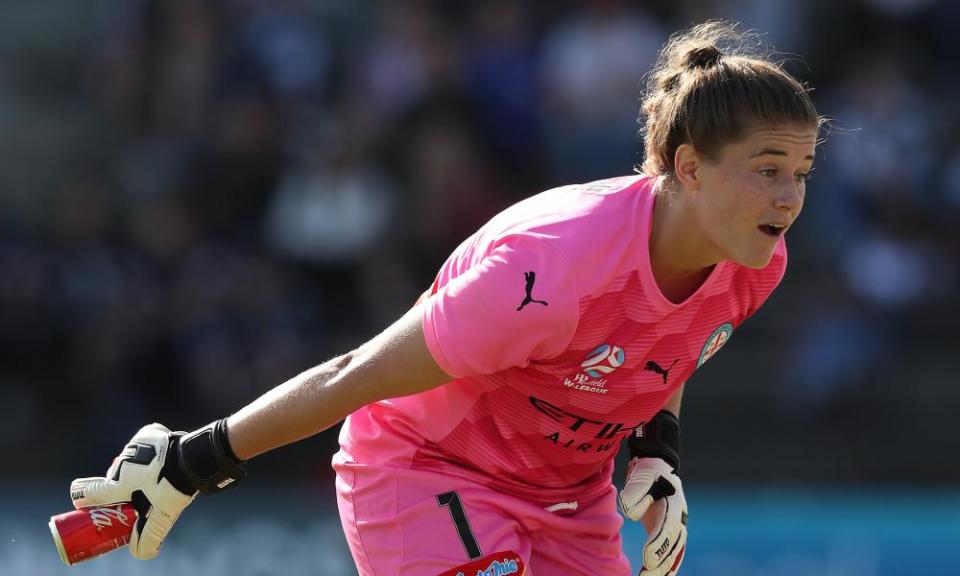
659,438
206,460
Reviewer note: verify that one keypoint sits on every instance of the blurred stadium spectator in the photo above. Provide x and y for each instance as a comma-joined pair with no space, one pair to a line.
198,199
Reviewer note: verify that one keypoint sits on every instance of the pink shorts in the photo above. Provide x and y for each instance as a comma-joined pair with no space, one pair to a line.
424,523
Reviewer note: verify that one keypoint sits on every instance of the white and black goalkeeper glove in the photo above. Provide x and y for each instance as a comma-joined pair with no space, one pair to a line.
160,472
653,494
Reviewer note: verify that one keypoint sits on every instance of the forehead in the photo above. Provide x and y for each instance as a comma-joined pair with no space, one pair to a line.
781,140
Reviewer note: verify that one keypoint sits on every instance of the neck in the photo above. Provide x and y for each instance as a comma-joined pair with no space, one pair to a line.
678,258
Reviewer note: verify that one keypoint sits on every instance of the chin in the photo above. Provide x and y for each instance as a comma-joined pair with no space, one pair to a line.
755,261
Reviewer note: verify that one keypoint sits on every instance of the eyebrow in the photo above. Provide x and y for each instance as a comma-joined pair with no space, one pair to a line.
776,152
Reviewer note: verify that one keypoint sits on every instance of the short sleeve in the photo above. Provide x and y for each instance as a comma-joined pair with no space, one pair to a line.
517,304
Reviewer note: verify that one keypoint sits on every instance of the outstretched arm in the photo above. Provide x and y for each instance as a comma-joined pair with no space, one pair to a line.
394,363
160,472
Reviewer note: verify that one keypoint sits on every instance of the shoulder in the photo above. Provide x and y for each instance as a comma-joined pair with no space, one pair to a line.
516,303
551,212
585,227
598,226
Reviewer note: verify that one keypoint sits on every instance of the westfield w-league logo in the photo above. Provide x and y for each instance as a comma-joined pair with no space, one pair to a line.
599,362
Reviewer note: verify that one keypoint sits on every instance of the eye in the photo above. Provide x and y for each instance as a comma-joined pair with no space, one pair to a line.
768,172
804,176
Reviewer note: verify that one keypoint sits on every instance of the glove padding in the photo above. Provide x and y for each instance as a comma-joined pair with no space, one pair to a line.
140,475
653,493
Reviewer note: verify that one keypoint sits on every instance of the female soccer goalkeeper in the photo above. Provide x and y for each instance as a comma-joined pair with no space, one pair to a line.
481,427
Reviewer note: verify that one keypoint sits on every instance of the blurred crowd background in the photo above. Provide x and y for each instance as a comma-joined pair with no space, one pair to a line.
199,199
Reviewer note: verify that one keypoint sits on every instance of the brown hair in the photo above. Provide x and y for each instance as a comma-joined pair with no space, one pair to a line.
708,86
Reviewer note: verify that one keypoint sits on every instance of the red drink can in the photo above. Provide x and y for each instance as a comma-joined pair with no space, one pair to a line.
89,532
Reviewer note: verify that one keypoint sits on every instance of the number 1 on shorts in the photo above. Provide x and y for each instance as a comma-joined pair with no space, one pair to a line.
451,501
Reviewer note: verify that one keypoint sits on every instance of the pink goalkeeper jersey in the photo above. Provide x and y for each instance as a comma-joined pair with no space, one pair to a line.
561,343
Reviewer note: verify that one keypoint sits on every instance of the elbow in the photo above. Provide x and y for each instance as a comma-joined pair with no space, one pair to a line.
350,374
340,363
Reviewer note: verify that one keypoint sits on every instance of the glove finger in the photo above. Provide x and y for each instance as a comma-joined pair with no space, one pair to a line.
146,539
665,538
677,560
156,519
148,535
86,492
671,564
658,571
636,510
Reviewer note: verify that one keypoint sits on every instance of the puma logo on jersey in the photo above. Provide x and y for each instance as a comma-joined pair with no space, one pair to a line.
531,278
654,367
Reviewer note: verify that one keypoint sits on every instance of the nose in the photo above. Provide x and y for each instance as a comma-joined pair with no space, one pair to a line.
789,197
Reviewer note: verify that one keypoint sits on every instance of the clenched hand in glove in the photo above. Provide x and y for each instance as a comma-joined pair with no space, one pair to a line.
160,472
653,494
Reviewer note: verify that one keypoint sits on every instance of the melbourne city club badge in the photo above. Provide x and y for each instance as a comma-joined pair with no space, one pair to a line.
715,342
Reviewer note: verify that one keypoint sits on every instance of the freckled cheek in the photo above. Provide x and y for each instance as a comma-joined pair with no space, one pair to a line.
737,203
748,203
759,200
730,219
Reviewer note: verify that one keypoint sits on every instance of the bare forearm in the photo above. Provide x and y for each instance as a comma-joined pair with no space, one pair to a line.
300,407
395,363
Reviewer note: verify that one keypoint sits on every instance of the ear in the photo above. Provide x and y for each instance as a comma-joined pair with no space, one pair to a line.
686,167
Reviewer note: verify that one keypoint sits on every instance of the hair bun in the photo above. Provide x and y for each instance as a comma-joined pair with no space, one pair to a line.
703,57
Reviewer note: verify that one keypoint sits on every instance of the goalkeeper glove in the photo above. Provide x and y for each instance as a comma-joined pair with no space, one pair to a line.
653,493
160,472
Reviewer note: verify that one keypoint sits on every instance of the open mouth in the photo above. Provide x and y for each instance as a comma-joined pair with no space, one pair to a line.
772,229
